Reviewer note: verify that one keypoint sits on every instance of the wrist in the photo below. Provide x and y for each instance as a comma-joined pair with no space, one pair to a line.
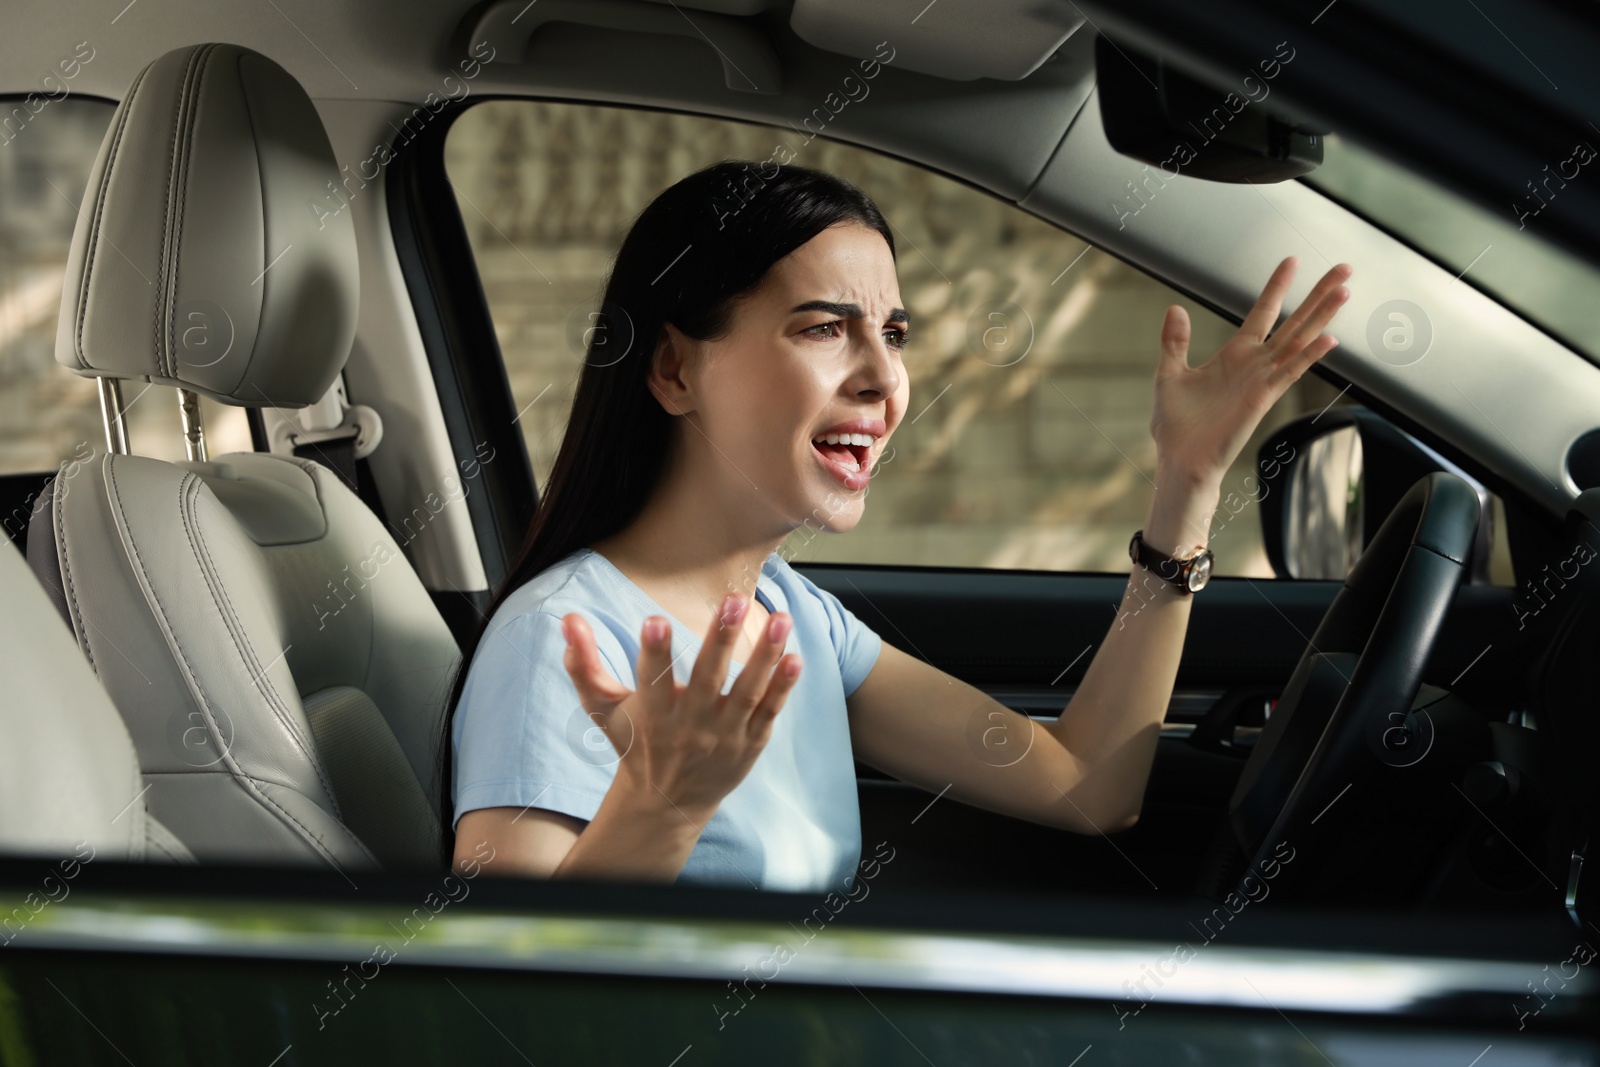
1179,520
645,804
1174,476
633,837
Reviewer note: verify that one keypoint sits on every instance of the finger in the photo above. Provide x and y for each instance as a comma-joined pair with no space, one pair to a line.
1293,368
1174,342
711,666
752,681
1328,283
1287,343
597,689
1265,310
783,681
656,684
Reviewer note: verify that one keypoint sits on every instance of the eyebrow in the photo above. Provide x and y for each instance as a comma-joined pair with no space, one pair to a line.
849,311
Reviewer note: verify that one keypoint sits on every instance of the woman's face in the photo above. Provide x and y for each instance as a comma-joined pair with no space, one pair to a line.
815,349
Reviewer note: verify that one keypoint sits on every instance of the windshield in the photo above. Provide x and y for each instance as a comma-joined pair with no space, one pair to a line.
1542,283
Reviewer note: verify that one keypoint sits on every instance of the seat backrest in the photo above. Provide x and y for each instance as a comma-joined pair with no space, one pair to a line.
69,780
280,666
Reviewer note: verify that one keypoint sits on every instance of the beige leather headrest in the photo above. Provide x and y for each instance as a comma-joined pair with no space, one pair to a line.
200,258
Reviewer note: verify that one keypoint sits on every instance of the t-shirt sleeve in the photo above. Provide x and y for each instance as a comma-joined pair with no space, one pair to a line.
856,643
521,737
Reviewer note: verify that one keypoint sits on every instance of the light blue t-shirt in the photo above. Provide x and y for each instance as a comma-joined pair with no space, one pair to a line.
521,736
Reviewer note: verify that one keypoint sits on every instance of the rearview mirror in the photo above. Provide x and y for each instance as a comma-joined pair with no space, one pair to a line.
1161,116
1342,471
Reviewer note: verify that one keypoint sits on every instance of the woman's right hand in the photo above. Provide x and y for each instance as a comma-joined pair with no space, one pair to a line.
687,745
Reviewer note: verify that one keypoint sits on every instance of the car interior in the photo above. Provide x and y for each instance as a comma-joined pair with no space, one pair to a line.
237,658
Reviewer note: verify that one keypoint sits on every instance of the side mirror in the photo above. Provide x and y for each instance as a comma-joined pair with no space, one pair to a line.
1341,472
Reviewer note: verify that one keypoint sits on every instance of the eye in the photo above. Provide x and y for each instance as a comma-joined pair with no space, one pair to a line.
896,337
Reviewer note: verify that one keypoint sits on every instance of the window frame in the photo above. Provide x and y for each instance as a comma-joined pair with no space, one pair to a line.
463,350
457,330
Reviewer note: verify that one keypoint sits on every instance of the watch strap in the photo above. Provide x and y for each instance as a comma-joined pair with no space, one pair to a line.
1174,570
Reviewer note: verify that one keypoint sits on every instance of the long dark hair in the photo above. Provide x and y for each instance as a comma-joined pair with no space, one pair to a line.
697,248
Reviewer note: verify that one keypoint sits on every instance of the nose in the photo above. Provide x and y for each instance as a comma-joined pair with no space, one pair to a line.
876,375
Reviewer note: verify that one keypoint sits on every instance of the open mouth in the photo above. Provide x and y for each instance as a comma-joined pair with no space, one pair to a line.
848,450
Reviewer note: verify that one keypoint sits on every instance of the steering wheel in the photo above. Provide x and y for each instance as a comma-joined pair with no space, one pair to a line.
1346,715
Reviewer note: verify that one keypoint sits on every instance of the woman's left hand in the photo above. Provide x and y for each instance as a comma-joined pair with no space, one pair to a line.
1203,415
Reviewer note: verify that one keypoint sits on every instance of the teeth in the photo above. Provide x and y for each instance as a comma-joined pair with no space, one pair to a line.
860,440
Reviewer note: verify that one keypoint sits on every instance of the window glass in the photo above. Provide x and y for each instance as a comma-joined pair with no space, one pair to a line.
47,413
1026,443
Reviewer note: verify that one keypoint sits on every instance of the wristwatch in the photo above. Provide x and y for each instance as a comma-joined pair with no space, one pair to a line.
1188,575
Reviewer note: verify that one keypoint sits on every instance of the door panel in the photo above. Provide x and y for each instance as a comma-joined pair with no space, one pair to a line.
1026,638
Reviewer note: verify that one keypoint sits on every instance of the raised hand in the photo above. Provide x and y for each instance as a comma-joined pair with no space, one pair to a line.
1203,415
685,744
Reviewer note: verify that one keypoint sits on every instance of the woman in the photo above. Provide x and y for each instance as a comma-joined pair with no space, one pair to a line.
743,327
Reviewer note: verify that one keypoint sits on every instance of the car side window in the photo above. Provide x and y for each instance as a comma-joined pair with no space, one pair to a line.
49,415
1026,444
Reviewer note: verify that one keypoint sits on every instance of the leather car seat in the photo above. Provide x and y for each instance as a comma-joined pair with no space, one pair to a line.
69,779
250,604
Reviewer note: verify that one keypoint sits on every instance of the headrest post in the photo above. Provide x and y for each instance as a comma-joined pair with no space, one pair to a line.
194,434
111,415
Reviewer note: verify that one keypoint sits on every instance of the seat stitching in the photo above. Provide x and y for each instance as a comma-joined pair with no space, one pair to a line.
167,252
89,254
258,135
166,224
255,783
160,846
182,157
183,660
188,490
309,468
247,652
66,572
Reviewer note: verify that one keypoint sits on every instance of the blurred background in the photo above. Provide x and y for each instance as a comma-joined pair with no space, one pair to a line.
47,413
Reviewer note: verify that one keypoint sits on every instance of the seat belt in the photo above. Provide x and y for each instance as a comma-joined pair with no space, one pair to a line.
342,456
335,433
337,454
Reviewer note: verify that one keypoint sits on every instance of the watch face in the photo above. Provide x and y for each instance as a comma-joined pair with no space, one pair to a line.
1200,573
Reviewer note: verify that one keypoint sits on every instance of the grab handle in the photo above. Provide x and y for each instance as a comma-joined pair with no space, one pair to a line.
749,62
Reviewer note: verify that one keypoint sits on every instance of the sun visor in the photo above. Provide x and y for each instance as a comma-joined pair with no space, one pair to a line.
956,39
